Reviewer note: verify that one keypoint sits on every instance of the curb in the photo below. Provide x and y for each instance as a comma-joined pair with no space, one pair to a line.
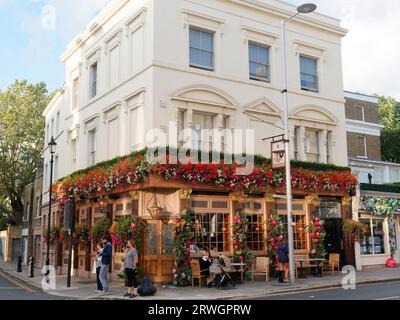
287,290
310,288
21,281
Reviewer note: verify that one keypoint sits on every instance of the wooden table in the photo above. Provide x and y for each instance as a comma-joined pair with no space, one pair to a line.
318,262
240,265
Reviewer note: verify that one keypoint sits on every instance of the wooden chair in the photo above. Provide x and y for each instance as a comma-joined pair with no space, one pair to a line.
261,267
333,263
305,265
197,273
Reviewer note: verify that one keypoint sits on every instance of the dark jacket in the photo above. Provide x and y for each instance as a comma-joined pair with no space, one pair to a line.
283,253
106,255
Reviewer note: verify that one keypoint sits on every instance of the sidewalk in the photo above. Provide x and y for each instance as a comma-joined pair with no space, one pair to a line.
85,288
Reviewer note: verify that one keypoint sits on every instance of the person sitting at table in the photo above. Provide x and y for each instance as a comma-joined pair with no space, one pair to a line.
205,263
283,261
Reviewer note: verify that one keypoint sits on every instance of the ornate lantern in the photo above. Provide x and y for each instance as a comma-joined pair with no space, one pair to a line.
155,209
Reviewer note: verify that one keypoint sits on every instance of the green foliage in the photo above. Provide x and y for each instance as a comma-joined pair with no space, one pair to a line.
101,228
317,235
241,252
390,144
55,233
275,231
394,188
389,116
258,161
183,235
21,139
82,233
129,228
354,230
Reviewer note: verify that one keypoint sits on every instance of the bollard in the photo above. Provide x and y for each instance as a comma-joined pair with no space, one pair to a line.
19,265
31,267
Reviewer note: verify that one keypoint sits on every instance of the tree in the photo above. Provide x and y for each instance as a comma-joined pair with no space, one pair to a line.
387,112
389,116
21,139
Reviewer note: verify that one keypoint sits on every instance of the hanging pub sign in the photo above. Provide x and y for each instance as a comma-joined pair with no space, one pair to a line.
278,154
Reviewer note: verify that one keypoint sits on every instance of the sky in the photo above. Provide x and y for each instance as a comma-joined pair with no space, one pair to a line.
35,33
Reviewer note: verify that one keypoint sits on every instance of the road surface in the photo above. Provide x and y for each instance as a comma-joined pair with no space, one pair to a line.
378,291
11,289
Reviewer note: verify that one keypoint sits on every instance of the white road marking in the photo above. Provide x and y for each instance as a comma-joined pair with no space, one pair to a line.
389,298
11,288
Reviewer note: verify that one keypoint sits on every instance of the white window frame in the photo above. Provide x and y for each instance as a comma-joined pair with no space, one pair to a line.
207,23
317,63
75,93
38,205
58,116
203,67
268,47
363,113
91,80
317,132
385,228
365,156
91,149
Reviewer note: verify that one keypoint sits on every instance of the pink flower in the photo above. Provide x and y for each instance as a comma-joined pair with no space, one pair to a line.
133,226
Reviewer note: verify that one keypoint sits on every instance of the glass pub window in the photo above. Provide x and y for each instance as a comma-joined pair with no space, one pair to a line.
201,49
212,231
308,74
374,242
259,66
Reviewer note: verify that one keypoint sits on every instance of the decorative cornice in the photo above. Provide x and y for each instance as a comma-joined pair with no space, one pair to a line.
184,194
237,195
134,194
269,197
346,201
312,199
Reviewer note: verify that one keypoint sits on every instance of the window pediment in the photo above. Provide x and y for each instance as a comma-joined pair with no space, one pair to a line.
205,95
314,114
264,107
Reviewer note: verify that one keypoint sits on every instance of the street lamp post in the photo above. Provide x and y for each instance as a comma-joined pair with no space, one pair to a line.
305,8
52,148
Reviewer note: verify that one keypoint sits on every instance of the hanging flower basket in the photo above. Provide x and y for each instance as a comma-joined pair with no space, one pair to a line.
354,231
100,229
54,234
128,228
81,233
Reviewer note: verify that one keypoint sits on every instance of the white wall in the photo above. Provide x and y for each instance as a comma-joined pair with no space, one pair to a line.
155,83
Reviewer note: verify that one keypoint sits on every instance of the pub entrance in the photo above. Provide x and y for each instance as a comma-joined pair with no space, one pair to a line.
158,251
330,211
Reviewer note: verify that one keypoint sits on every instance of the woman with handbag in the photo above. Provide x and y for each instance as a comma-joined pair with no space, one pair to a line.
131,260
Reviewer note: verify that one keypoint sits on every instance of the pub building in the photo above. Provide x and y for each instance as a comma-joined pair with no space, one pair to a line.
214,208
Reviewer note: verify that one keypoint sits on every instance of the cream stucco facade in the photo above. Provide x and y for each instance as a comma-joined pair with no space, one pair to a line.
136,55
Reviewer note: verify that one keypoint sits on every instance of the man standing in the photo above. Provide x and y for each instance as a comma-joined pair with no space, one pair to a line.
106,257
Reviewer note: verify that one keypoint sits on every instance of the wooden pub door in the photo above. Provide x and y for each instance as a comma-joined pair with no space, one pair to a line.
158,253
